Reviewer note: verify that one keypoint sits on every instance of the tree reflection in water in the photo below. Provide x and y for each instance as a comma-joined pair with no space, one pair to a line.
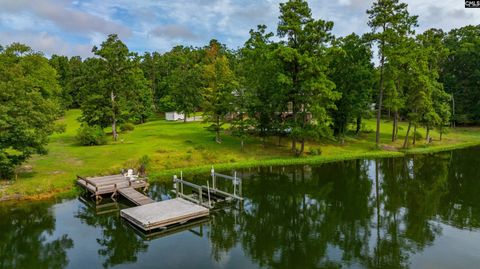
24,238
374,213
118,244
362,213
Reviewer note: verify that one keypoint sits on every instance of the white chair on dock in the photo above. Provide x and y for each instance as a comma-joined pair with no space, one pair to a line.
130,176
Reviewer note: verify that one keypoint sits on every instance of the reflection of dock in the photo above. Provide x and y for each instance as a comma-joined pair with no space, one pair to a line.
193,226
149,215
101,208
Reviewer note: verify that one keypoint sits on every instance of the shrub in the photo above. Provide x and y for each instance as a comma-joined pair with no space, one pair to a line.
316,151
418,135
143,162
127,127
91,136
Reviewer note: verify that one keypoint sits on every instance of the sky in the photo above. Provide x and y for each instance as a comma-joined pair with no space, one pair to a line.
73,27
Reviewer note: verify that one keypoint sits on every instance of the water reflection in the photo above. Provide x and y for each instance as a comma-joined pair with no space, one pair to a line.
361,214
26,238
371,214
118,244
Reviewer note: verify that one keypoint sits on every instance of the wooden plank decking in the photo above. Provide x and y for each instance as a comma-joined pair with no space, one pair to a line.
135,196
162,214
109,184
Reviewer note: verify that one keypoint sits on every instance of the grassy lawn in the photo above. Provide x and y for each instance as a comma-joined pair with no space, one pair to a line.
189,146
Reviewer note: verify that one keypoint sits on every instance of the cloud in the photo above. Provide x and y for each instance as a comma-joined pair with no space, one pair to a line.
174,31
64,17
158,25
46,43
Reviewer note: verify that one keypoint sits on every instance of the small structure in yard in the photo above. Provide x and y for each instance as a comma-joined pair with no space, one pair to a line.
174,115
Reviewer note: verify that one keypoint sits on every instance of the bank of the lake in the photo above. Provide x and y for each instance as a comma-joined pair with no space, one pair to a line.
190,147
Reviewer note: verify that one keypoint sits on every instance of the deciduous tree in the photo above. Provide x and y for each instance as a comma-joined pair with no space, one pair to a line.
29,105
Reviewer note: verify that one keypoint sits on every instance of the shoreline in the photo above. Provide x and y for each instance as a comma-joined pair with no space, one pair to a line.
308,160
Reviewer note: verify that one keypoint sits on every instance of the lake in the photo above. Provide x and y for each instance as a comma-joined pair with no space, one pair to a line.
420,211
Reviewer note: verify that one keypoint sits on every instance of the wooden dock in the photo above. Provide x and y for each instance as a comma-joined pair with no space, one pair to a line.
99,186
162,214
135,196
149,215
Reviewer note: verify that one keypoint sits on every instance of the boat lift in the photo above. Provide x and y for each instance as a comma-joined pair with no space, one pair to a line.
207,195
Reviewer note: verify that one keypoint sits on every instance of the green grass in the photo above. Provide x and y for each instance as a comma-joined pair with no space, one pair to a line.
175,146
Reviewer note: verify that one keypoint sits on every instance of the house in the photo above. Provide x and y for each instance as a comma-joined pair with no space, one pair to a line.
174,115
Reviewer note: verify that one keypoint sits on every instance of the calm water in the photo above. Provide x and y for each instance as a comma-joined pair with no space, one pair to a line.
414,212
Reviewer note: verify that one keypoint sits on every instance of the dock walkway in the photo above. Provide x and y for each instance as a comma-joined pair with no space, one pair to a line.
135,196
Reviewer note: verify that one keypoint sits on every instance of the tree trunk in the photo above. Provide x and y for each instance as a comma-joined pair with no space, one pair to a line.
414,134
302,147
359,125
217,129
405,143
184,117
279,140
441,133
394,127
428,135
114,117
242,144
380,99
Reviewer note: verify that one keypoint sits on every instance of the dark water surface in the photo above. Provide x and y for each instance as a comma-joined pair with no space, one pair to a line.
414,212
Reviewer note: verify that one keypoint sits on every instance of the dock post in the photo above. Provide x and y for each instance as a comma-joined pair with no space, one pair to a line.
208,191
200,198
240,188
234,183
213,178
181,182
175,185
114,190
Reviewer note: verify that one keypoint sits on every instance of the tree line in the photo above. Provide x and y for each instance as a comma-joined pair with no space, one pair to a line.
301,82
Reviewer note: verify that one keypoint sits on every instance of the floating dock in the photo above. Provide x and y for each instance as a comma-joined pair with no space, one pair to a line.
163,214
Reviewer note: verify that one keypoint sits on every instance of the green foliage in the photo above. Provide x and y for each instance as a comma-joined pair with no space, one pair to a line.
115,89
69,75
315,151
353,73
184,85
302,54
418,135
391,26
91,135
460,73
143,164
262,97
127,126
221,83
29,105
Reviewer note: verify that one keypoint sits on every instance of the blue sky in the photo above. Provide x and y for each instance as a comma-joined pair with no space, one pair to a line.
72,27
